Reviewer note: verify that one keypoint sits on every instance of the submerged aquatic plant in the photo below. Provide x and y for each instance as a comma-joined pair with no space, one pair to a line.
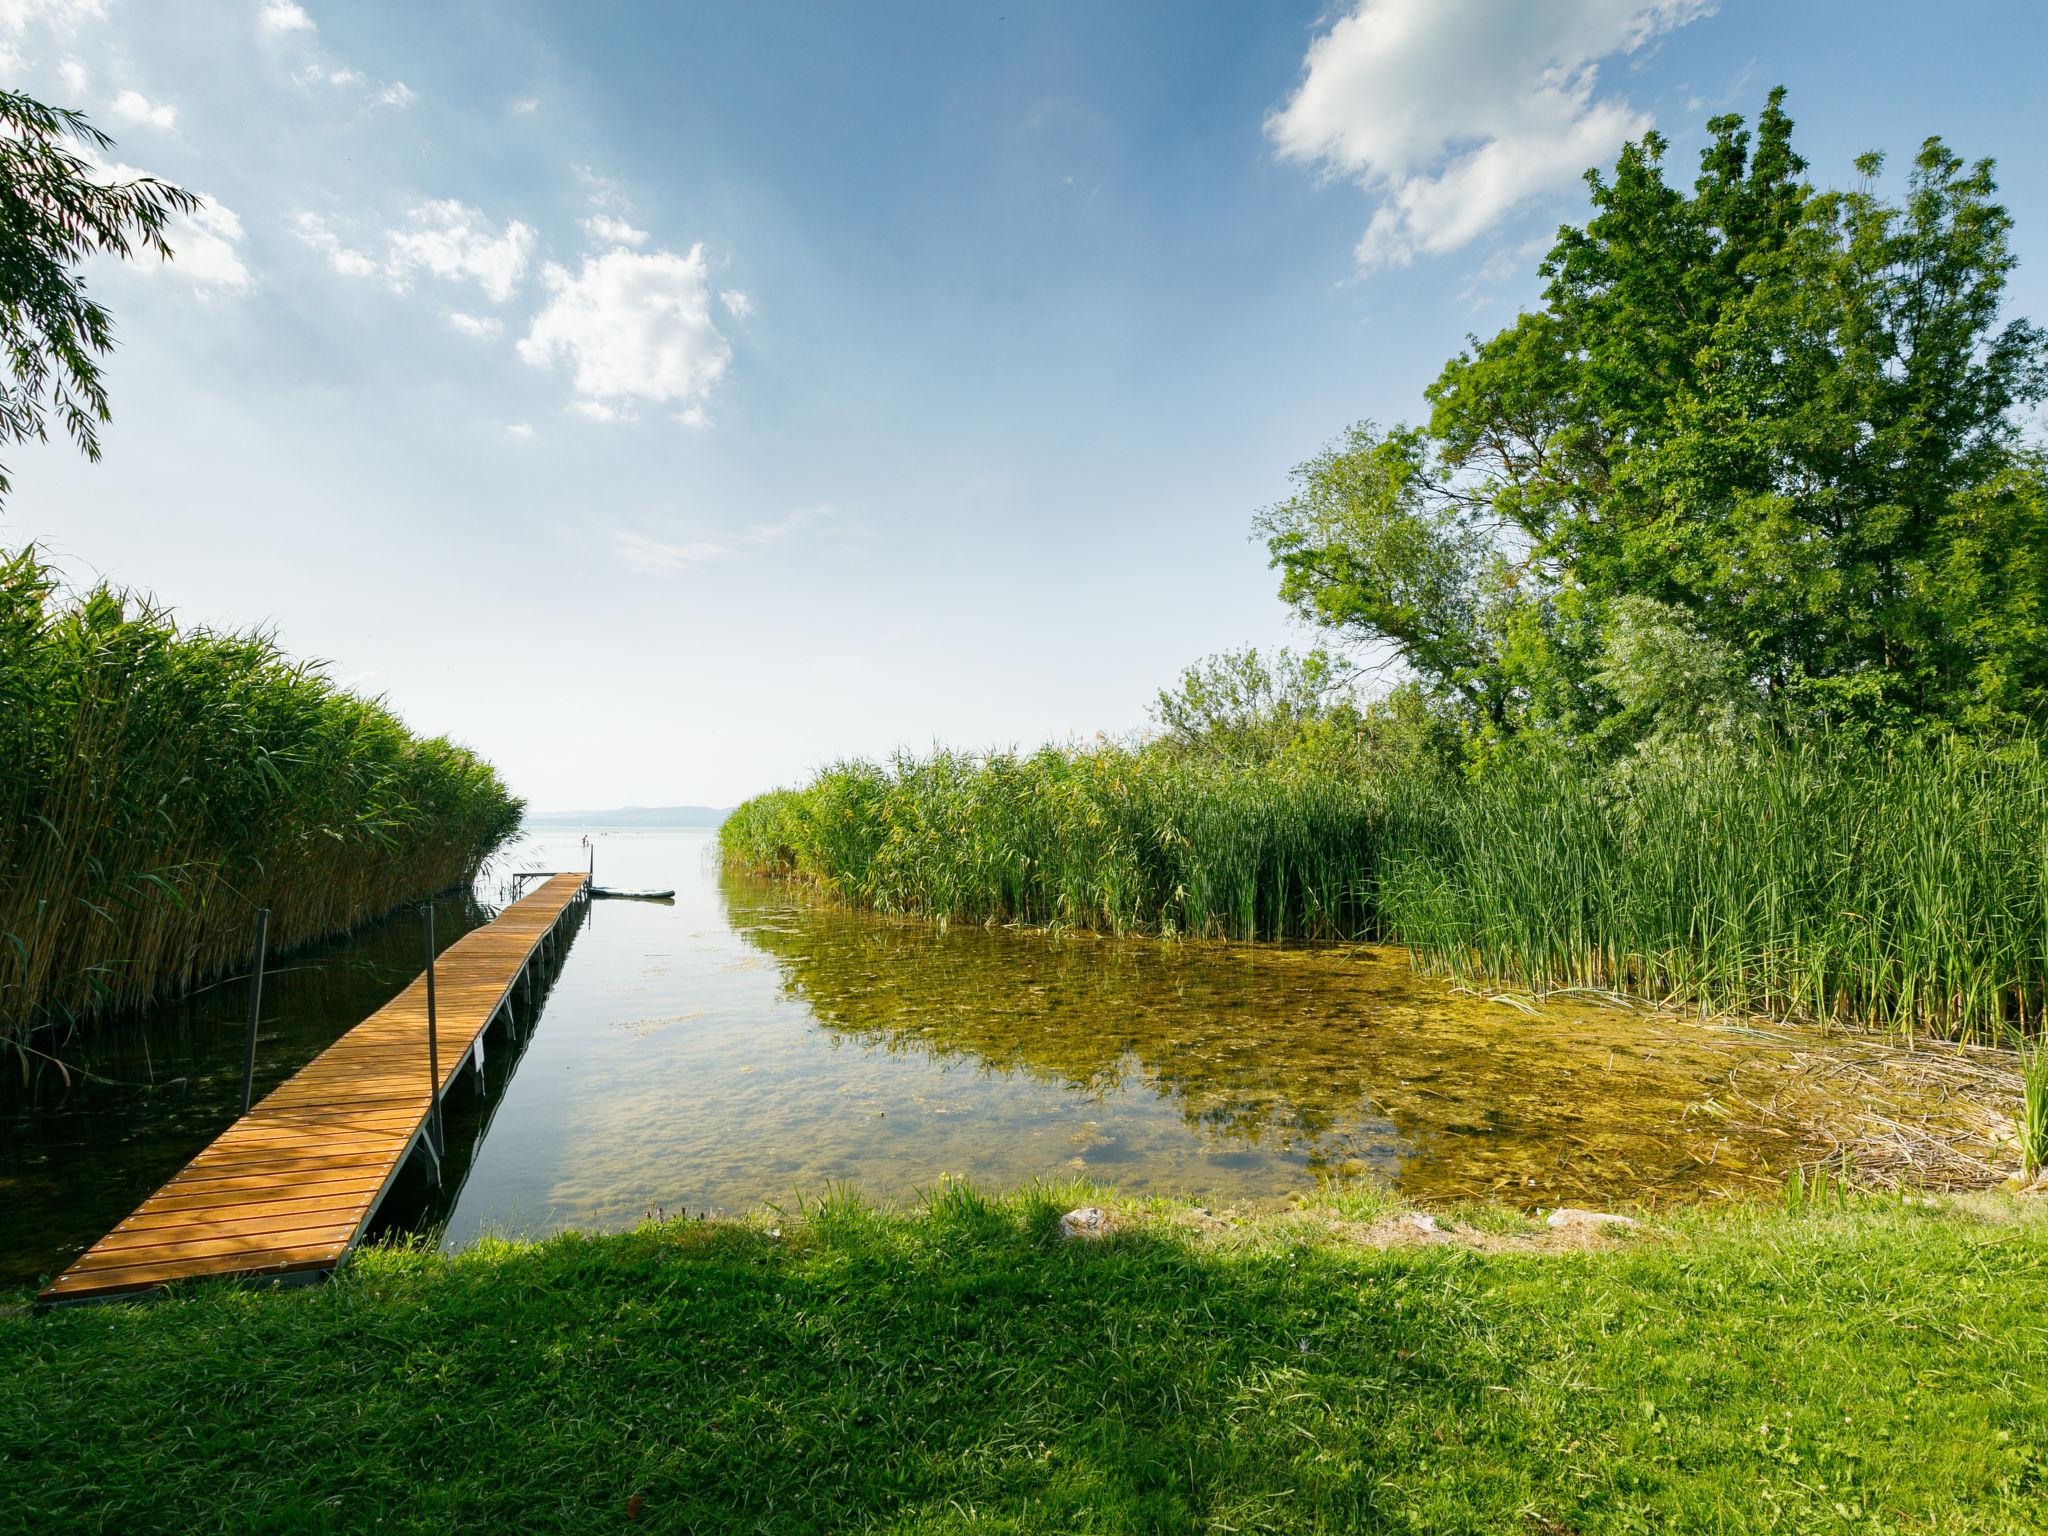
158,785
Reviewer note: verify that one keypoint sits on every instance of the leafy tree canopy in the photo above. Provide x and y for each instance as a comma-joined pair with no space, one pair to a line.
1244,707
54,212
1759,449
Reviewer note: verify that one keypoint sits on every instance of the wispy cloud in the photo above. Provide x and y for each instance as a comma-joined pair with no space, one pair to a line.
608,230
206,244
443,238
208,247
655,557
659,557
322,74
315,231
782,528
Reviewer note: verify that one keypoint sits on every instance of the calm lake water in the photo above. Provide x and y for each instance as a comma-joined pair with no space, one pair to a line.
746,1044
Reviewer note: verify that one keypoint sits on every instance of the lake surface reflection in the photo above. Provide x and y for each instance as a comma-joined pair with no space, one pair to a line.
752,1044
747,1044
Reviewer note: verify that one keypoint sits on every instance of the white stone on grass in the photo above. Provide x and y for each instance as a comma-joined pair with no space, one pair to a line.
1086,1222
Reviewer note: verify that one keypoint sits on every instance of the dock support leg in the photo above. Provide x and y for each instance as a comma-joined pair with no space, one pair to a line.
434,1131
255,1005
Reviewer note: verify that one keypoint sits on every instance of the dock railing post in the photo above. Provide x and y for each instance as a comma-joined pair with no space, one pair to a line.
433,1044
255,1005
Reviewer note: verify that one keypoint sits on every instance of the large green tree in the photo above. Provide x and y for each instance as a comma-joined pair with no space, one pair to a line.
56,208
1759,446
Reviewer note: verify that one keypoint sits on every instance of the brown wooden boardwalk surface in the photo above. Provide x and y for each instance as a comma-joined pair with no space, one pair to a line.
288,1188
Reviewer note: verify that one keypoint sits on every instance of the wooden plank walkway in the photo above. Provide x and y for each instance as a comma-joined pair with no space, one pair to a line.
287,1190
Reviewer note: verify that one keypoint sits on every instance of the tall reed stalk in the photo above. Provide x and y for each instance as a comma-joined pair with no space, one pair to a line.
1904,890
158,786
2034,1109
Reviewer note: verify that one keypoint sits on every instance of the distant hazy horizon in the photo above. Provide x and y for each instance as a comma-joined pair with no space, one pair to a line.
632,816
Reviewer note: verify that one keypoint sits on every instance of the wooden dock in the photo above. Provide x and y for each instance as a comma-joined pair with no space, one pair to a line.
287,1190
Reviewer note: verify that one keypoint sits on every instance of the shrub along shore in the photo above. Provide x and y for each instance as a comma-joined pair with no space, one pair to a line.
1902,888
1875,1365
160,785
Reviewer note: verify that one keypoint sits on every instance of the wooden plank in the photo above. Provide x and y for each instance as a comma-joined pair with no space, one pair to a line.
142,1277
126,1249
252,1192
241,1208
289,1187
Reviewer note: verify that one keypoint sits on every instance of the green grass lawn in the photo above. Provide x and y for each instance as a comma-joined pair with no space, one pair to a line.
1877,1369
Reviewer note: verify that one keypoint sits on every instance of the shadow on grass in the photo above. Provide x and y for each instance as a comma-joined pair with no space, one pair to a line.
958,1367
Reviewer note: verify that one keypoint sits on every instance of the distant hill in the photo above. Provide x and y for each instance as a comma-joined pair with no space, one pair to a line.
631,816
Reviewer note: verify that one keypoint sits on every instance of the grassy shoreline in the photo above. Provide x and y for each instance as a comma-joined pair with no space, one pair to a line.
1869,1366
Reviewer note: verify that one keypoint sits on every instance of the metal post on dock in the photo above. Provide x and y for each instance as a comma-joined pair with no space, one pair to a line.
436,1135
255,1005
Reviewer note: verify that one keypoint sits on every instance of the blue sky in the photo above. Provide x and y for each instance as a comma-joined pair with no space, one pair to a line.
665,400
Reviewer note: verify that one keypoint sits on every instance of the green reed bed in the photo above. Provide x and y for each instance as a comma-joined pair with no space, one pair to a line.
160,785
1904,889
1105,839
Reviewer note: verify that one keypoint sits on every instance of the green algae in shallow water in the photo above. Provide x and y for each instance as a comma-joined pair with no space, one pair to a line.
830,1048
1344,1060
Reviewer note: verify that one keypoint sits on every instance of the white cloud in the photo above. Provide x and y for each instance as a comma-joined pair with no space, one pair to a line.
73,74
737,304
397,94
632,326
614,231
1457,112
134,107
526,106
454,241
208,245
284,16
482,327
316,74
520,429
16,16
315,231
653,557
